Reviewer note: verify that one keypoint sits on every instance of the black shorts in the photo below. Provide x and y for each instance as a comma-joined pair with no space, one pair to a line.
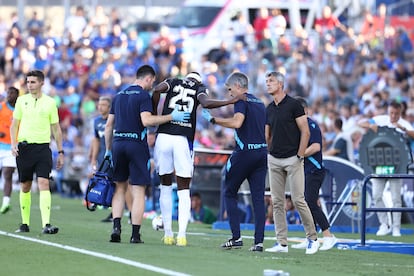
34,158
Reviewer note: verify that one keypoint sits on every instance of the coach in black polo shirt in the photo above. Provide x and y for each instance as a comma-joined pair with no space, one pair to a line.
287,136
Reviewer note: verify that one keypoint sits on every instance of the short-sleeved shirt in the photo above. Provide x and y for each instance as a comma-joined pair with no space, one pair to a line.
36,116
384,120
184,93
99,129
285,132
327,24
341,146
6,116
205,215
127,107
314,162
251,135
293,217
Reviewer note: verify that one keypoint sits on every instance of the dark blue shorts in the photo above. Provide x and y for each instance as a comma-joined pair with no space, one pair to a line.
131,161
34,159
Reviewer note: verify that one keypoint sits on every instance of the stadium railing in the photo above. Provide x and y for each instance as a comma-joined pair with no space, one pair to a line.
365,209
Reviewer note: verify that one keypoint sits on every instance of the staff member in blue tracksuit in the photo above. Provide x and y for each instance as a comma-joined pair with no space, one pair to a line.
314,176
248,160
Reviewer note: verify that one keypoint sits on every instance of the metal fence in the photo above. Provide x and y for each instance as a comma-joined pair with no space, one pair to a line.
365,209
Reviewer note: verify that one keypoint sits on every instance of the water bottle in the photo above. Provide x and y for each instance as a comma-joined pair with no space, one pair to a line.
342,246
272,272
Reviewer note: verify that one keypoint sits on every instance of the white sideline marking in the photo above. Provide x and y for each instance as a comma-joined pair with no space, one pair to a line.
99,255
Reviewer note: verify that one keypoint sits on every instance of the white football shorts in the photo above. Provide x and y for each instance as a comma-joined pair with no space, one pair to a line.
172,154
7,159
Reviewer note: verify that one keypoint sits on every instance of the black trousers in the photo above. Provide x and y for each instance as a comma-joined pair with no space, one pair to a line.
313,182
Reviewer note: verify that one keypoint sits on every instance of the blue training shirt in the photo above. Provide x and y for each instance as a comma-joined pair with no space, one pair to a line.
314,162
99,129
127,107
251,135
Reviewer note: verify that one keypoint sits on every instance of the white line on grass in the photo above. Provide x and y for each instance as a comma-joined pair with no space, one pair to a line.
99,255
296,239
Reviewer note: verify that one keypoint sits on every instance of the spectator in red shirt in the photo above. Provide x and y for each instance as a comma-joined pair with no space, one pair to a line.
260,23
328,22
372,26
163,45
65,116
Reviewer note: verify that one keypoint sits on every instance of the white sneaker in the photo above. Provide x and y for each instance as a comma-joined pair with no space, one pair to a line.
313,247
383,230
277,248
396,232
328,243
301,245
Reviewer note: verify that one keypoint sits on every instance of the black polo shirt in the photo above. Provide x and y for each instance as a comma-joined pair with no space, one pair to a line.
284,131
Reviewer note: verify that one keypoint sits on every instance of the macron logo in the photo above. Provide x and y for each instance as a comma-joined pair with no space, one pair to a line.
96,192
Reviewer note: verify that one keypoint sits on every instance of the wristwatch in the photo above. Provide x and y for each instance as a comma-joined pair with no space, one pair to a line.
300,157
61,152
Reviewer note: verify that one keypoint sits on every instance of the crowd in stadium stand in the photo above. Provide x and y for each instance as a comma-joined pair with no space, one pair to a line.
343,72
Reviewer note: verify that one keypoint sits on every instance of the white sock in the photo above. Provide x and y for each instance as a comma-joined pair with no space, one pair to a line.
166,209
184,211
6,200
